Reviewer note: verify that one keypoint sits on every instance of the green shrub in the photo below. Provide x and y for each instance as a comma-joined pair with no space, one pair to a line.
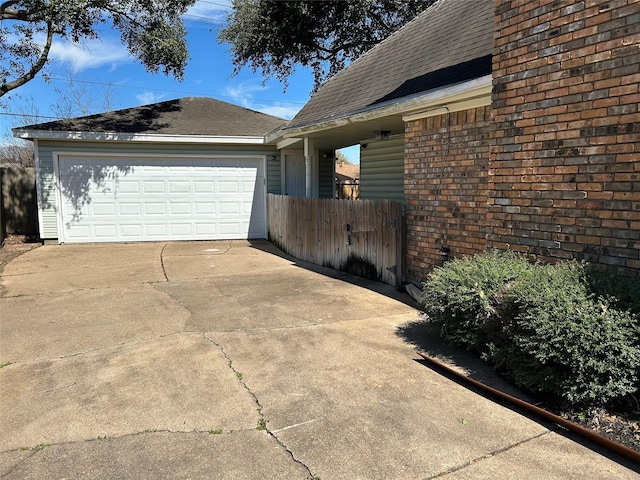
622,292
563,329
566,341
459,298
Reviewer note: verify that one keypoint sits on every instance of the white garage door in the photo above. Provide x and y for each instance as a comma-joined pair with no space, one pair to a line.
152,199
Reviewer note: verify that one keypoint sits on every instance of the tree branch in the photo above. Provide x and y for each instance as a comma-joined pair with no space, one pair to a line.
7,4
35,68
380,20
8,13
335,50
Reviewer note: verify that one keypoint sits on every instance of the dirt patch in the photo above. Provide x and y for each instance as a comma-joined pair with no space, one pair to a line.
14,246
622,427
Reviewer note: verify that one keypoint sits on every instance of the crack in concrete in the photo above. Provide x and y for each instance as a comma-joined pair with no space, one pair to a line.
32,451
487,455
97,349
262,421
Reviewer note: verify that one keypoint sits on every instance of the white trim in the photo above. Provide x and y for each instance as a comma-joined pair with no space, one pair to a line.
138,137
58,188
287,142
476,102
201,156
39,199
472,89
265,185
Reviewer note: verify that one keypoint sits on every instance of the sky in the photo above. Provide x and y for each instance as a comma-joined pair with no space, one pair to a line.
108,76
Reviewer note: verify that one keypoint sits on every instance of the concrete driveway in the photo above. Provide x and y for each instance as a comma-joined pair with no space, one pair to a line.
228,360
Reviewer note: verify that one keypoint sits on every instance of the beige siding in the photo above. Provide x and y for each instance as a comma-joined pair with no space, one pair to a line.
48,148
382,170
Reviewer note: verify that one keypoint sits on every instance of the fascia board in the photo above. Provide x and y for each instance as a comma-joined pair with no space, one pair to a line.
287,142
137,137
479,87
449,107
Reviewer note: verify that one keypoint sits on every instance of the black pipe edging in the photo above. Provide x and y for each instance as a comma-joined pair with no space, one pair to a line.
610,445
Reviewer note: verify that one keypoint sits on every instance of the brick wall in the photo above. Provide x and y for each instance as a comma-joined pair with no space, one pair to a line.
446,160
564,176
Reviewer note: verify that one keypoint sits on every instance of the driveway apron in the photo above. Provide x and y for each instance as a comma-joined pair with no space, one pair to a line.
231,360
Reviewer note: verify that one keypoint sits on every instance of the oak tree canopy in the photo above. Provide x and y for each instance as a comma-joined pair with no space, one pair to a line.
151,30
275,36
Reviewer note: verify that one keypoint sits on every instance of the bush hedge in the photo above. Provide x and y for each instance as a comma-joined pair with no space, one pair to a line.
563,329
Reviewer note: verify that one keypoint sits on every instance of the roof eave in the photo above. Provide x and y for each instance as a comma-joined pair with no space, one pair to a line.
29,134
462,93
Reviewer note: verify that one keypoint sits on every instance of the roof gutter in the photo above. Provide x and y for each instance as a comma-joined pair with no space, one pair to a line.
136,137
476,92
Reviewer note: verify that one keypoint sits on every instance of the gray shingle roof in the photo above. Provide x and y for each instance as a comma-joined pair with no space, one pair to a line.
449,43
184,116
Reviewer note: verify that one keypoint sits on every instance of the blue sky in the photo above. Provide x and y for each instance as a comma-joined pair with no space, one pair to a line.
104,64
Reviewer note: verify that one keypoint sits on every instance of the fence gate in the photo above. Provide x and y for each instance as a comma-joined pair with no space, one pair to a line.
360,237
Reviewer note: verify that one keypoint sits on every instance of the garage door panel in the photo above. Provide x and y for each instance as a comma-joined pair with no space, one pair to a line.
130,231
105,231
137,199
230,229
205,229
204,187
207,208
229,208
155,208
180,208
128,187
151,187
127,209
179,187
156,231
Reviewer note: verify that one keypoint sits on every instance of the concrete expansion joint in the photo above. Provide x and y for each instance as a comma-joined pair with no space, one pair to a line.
164,271
262,421
488,455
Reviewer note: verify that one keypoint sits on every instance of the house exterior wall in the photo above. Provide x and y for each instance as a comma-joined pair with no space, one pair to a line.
46,149
382,169
446,162
565,134
326,173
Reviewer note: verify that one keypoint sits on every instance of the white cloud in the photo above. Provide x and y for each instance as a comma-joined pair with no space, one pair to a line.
213,11
91,54
242,94
149,97
282,111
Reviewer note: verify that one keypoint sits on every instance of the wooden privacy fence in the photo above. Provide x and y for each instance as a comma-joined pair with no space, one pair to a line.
18,204
360,237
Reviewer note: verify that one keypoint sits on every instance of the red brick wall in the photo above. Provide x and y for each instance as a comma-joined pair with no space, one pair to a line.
564,175
446,160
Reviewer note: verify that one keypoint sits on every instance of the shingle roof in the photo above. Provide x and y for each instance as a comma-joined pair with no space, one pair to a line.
184,116
448,43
